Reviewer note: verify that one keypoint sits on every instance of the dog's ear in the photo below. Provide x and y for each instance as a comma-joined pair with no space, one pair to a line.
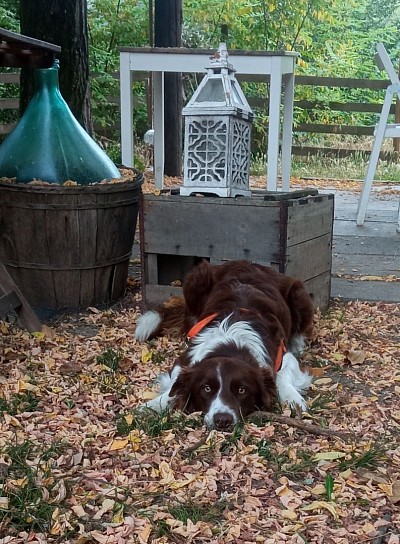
181,390
301,307
197,286
268,393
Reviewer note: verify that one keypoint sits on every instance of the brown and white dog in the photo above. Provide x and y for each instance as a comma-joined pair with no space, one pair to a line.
245,323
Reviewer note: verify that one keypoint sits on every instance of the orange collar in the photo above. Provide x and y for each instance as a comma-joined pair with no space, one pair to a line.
279,356
199,326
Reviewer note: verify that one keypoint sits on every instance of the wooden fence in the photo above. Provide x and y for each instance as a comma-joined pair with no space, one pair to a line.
308,105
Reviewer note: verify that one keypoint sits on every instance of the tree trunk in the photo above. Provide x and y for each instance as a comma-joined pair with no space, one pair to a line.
64,23
168,33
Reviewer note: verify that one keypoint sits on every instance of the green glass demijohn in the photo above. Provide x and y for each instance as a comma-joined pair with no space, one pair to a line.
49,144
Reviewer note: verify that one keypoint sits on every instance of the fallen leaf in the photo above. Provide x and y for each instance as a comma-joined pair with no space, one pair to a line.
321,505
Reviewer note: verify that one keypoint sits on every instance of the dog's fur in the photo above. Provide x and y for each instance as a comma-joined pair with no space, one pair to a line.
228,371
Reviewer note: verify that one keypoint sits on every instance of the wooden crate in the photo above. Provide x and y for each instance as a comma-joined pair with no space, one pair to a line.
290,232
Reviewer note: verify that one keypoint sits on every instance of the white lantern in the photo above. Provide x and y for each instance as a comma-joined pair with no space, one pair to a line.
218,123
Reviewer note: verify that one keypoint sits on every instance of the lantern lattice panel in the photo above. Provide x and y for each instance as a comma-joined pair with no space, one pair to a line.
217,155
206,151
240,153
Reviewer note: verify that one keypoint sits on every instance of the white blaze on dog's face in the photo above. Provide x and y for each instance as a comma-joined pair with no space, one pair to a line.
225,389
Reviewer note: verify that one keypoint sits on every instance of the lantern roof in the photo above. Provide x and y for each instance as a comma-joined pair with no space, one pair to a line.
219,90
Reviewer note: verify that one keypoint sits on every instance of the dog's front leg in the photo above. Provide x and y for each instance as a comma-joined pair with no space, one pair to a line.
291,382
164,401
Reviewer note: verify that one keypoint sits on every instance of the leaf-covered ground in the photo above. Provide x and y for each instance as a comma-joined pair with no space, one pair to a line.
78,465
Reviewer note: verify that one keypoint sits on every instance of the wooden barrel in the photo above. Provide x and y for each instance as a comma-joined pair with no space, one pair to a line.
69,247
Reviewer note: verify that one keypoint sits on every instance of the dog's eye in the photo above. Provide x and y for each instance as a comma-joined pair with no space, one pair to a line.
242,390
206,388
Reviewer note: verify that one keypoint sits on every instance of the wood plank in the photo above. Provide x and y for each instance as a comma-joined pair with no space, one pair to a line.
154,294
347,82
10,77
9,302
172,227
9,103
357,264
309,259
334,129
341,153
374,291
319,288
309,220
348,227
26,315
360,107
372,245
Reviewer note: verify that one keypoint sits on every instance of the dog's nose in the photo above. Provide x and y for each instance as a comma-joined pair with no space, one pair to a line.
222,421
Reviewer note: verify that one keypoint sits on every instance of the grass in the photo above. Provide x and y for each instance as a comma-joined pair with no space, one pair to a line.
110,358
371,458
154,424
191,510
28,486
281,463
19,403
317,166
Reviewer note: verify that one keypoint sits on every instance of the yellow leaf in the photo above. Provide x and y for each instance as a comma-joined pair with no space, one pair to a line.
183,483
318,489
129,419
118,517
26,386
289,514
145,533
118,444
134,439
329,456
11,420
387,488
234,531
149,394
338,356
167,475
323,381
146,355
320,505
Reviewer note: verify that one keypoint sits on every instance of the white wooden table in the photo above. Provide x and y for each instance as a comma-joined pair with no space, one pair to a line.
277,66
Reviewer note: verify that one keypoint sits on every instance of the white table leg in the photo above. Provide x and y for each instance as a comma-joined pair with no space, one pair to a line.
287,132
158,89
126,110
274,123
373,159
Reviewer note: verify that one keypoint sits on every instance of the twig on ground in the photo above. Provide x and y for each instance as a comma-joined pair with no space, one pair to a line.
298,424
384,530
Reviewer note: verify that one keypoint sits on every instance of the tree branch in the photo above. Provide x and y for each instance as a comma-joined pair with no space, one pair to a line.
298,424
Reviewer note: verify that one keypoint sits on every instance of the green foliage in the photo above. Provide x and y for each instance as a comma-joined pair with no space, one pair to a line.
310,27
9,10
30,485
153,423
19,403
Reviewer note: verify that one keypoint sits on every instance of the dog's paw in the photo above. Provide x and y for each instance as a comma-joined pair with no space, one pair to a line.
159,404
293,398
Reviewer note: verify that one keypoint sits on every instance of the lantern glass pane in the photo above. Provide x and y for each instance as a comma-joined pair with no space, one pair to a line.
236,96
213,91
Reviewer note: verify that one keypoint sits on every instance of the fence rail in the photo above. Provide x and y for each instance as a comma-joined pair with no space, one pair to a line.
262,103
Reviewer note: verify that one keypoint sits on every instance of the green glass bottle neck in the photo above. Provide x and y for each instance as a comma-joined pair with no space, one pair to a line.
46,79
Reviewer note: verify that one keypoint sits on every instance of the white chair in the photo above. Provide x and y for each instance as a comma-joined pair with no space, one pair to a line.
383,130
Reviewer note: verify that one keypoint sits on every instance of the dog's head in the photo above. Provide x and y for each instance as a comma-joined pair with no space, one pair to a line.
225,389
